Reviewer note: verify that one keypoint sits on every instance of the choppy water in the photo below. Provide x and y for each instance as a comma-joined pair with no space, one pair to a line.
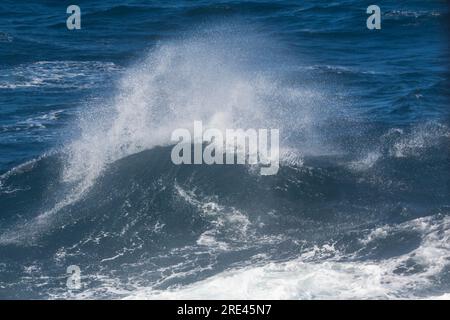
360,207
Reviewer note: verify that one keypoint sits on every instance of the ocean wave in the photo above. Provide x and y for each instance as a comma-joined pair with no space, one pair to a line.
411,14
394,278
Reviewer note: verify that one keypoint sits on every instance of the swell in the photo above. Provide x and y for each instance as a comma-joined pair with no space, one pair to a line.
144,213
353,195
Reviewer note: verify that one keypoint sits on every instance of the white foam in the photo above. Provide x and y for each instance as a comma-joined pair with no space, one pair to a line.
329,278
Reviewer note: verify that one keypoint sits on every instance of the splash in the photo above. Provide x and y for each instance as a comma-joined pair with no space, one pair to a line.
215,78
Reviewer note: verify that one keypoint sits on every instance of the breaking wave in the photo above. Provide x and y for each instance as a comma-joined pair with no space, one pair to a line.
357,210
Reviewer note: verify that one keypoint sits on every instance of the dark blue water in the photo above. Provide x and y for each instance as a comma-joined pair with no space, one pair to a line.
360,207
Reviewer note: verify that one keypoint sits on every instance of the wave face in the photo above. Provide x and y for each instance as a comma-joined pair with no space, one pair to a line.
359,208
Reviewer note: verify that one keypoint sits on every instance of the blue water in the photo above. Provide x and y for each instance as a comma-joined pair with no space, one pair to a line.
360,205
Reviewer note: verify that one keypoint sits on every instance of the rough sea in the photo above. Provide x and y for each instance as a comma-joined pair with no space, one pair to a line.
359,209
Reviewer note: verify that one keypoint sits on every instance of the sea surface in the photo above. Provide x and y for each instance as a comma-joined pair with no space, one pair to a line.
359,209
